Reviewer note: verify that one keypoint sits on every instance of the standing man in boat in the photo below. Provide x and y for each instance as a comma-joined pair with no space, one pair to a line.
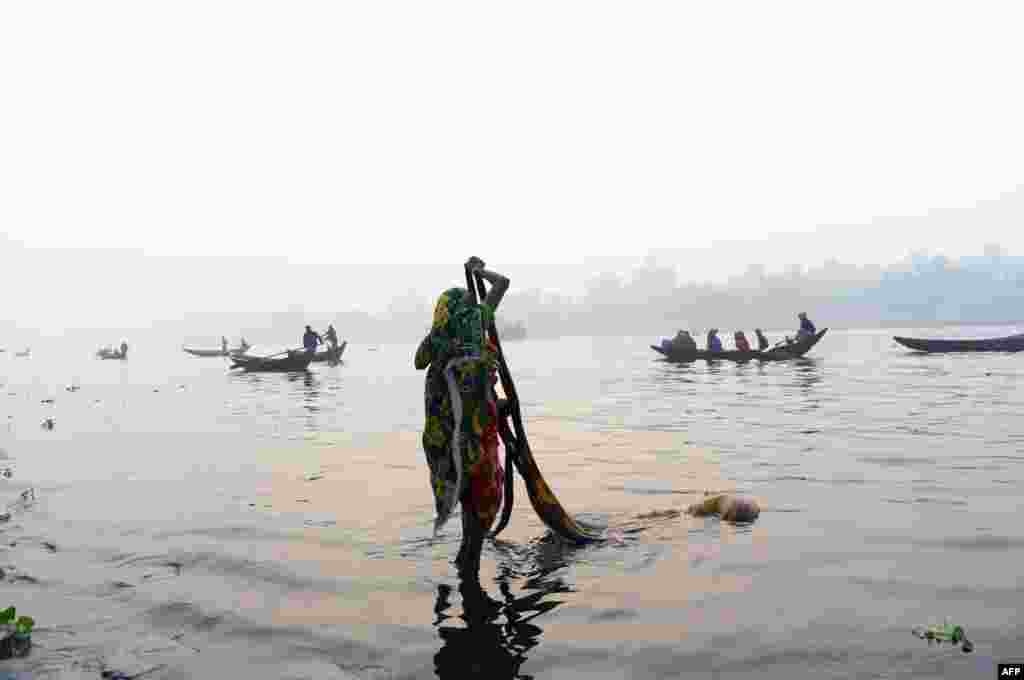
124,349
310,339
806,327
224,345
332,337
460,435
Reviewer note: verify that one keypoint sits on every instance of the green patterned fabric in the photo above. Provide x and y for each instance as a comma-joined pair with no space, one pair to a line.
459,435
458,328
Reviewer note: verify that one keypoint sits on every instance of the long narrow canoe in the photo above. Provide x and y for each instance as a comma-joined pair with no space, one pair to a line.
331,356
1011,343
295,361
214,352
778,353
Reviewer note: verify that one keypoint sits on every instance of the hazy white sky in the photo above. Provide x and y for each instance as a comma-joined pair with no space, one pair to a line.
345,132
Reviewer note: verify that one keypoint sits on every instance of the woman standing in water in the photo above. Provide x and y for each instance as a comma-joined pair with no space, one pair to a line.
460,435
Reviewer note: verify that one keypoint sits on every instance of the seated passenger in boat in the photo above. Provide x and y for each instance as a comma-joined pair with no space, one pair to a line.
806,327
714,342
684,342
741,341
762,341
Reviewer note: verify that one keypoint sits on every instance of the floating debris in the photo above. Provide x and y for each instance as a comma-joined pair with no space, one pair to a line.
947,632
48,424
72,388
46,401
314,477
728,507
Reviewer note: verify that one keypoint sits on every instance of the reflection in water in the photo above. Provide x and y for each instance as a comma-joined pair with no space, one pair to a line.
486,648
310,397
808,373
675,372
498,633
310,392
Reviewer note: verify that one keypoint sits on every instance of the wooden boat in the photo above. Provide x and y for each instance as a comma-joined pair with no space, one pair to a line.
205,352
238,351
331,356
779,352
1010,343
294,361
515,331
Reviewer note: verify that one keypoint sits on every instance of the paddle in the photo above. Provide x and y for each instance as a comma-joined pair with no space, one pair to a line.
542,498
287,351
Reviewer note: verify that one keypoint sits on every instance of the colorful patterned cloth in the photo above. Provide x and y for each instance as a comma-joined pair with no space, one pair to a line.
460,435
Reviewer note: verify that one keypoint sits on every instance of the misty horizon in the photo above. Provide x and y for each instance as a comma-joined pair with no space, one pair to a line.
651,296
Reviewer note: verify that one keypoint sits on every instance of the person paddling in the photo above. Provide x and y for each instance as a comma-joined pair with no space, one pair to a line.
741,341
460,433
331,336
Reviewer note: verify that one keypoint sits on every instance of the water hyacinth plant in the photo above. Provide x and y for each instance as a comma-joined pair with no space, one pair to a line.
16,631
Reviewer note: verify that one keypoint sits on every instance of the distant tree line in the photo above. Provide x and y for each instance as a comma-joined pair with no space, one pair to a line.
652,300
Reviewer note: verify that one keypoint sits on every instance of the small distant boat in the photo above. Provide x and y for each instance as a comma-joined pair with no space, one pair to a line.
1010,343
515,331
294,361
27,352
780,352
331,356
205,352
237,351
108,353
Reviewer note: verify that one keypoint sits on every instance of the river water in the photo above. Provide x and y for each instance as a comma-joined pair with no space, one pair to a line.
187,522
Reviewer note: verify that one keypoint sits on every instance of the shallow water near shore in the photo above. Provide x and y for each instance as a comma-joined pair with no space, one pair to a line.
188,522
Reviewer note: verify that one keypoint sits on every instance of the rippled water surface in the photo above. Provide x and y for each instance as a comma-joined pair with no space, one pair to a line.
188,522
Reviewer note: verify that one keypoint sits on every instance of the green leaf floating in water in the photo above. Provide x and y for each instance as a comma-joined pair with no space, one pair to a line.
7,615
